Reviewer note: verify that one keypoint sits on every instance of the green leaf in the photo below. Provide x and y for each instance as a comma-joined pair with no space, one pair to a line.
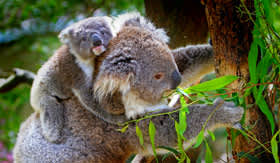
179,90
212,135
182,158
199,138
274,146
182,117
260,92
252,62
264,65
184,105
265,109
169,149
214,84
268,10
180,144
152,133
140,135
130,159
208,154
188,160
182,123
250,157
122,130
177,127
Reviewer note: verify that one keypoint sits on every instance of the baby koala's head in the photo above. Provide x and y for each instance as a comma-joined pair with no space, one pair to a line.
89,37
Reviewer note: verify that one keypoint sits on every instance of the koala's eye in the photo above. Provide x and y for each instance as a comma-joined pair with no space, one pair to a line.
159,76
102,32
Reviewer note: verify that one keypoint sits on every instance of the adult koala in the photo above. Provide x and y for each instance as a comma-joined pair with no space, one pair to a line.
132,75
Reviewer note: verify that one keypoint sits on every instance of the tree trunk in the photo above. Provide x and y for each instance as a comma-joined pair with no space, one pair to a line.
230,31
184,20
231,34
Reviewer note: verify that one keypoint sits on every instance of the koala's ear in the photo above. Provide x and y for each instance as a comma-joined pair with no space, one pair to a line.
64,35
116,73
135,19
110,22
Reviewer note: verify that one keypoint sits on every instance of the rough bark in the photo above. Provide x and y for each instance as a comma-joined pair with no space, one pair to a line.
231,36
184,20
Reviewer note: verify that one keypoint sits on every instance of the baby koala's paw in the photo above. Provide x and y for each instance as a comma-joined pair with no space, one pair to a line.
228,113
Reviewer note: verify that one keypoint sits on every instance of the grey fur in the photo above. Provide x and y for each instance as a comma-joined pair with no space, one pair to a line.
69,72
194,61
78,35
86,137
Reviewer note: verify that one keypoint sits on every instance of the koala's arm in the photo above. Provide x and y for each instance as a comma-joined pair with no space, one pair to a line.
84,92
224,114
46,98
193,62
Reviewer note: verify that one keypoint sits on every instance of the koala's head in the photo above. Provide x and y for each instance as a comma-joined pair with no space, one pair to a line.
88,37
139,66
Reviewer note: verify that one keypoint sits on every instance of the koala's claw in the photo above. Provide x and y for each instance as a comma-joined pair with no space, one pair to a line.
237,126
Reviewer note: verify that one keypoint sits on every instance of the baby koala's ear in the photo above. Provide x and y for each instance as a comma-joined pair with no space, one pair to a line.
64,35
110,23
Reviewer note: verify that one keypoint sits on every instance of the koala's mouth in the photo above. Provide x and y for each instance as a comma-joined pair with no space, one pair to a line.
97,50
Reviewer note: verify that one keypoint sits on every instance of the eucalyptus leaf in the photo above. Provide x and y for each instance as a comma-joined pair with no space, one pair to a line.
252,62
265,109
208,154
140,135
122,130
169,149
199,138
152,133
212,135
214,84
182,123
274,147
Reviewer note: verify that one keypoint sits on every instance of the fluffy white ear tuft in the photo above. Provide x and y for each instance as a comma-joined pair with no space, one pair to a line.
64,35
135,19
107,85
120,20
110,22
161,35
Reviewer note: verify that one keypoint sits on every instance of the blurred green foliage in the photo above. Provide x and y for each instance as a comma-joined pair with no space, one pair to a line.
13,12
29,46
12,111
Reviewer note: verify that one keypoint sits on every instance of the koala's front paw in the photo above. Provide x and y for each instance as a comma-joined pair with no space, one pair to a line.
52,125
228,114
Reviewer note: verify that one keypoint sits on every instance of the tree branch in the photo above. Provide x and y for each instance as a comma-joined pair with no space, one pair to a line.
19,76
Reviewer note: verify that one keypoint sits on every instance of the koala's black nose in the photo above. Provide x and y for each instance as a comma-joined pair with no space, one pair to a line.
96,40
176,76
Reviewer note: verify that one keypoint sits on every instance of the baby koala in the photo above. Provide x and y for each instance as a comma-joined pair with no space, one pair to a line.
87,38
70,71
